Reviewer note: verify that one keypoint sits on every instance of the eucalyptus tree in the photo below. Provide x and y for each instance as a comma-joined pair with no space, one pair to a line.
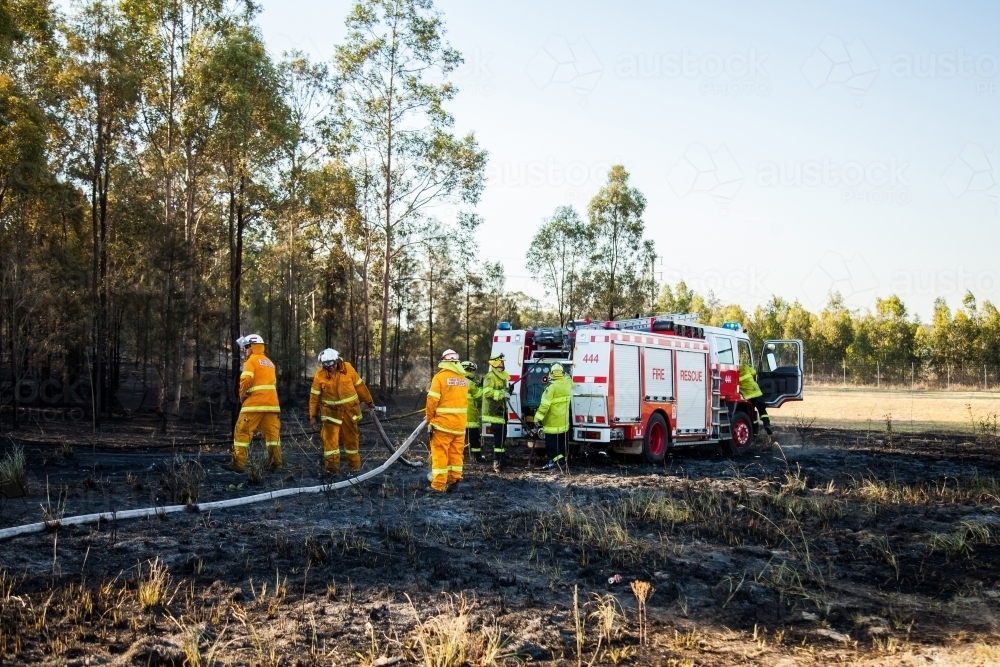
557,254
392,75
241,87
179,37
101,82
619,255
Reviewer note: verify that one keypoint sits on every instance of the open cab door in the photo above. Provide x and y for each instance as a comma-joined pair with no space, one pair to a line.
779,372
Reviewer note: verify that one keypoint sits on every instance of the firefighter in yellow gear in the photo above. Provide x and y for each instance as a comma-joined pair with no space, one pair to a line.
472,434
335,399
446,411
750,391
553,413
495,394
260,409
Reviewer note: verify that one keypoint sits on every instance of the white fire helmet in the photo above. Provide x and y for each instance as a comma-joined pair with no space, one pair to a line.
449,355
329,357
247,341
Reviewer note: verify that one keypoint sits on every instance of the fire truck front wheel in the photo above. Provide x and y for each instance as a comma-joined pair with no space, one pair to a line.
742,434
657,440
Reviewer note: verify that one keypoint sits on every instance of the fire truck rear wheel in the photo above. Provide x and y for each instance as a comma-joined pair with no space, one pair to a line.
742,434
657,440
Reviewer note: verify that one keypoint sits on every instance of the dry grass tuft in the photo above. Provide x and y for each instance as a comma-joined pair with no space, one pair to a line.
443,640
447,639
643,590
690,640
962,540
13,469
491,649
154,581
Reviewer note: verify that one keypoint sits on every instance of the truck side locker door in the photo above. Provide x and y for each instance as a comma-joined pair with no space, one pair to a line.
779,371
692,392
627,387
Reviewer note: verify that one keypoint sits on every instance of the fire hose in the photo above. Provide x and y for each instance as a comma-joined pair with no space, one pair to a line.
388,443
147,512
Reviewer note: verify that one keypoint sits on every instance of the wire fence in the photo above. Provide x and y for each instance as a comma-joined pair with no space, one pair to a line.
944,377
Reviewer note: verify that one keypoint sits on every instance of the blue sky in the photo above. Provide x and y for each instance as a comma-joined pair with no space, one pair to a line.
794,149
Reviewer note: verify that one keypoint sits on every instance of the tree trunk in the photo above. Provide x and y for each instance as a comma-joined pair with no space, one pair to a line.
430,320
387,264
185,386
168,202
366,301
98,227
236,222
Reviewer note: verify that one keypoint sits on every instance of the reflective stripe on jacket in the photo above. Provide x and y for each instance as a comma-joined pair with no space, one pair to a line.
258,390
748,386
474,398
553,410
495,396
448,399
337,394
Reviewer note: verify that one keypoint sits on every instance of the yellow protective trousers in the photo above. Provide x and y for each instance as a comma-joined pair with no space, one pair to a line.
269,424
343,427
447,453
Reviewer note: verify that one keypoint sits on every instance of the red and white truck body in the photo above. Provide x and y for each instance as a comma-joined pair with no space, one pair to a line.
644,385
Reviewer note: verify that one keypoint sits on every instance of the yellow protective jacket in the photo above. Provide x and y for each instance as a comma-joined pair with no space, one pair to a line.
553,410
475,395
336,394
258,383
748,386
495,396
448,399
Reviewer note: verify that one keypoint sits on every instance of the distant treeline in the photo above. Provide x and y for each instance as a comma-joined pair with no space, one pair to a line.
967,337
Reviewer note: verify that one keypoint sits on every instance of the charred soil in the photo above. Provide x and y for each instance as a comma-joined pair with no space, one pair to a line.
822,545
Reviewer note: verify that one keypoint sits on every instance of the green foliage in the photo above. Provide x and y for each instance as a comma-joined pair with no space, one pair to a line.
392,79
557,255
166,185
887,336
620,268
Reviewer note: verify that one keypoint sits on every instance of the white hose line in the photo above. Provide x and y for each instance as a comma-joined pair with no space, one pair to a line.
388,443
147,512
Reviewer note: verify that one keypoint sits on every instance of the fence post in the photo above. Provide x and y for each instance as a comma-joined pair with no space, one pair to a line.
845,372
878,376
949,377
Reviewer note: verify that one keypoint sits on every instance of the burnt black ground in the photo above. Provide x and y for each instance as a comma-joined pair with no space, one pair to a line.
353,560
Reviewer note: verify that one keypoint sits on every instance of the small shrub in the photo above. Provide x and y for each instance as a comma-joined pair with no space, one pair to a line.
185,479
256,468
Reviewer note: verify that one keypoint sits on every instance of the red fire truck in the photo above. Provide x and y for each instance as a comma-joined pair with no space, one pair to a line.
646,385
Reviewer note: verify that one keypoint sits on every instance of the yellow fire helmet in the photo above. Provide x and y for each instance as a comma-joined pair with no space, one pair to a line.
556,371
496,361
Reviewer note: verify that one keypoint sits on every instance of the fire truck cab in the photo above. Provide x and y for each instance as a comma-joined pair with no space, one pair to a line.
646,385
